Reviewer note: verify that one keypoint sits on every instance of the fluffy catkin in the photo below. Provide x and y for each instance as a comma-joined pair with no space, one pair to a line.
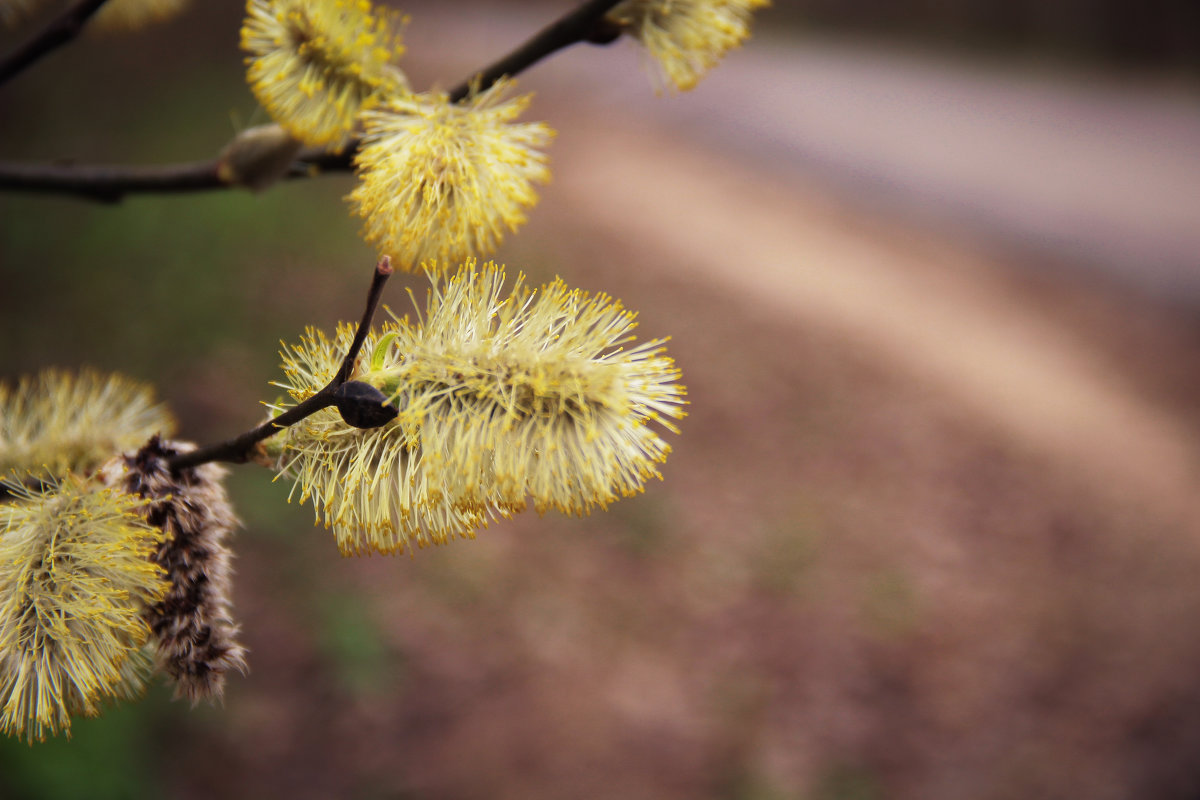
687,38
539,393
315,64
75,579
369,485
443,181
193,629
503,396
59,422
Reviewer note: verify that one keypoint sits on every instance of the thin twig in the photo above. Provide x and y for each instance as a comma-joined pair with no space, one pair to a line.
584,24
60,30
111,183
240,449
383,271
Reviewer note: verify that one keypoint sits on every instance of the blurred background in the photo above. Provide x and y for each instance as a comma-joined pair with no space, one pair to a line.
932,530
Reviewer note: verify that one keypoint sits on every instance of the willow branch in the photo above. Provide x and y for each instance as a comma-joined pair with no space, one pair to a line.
585,24
111,183
239,449
60,30
106,184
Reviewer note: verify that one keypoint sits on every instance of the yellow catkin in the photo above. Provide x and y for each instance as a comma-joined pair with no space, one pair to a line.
315,65
369,486
687,38
531,393
503,397
440,181
61,421
75,578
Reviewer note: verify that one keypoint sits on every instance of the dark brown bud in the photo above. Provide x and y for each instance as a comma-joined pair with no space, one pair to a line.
363,406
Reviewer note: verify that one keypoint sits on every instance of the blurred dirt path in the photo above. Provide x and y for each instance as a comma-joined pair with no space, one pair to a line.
933,309
1096,169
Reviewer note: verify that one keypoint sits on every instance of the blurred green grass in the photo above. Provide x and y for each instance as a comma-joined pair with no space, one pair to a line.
156,282
108,758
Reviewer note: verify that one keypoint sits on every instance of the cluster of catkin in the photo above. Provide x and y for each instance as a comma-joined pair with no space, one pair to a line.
115,566
112,567
439,180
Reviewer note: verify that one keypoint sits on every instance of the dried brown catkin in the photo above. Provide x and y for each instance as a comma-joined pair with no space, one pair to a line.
193,628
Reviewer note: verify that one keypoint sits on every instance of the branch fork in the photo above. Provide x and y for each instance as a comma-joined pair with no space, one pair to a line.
242,448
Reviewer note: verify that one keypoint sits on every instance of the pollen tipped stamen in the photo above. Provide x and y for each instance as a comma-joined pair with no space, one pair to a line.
75,580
